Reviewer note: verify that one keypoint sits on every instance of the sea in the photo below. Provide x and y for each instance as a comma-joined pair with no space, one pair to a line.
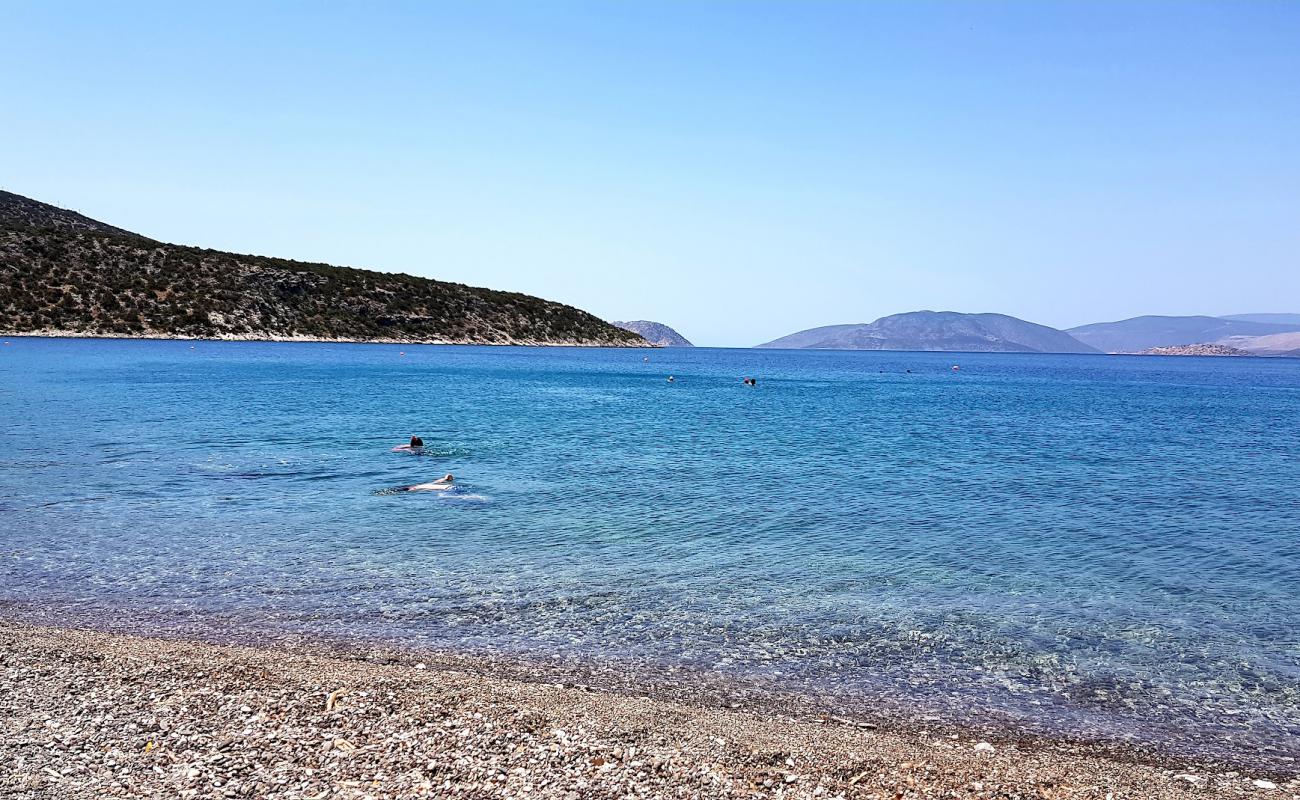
1102,548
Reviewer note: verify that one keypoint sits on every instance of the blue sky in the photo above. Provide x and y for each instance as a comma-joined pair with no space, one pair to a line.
739,170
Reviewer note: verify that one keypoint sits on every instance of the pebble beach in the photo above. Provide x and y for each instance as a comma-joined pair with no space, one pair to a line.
87,714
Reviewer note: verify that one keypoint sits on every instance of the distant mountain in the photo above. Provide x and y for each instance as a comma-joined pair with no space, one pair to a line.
1142,333
655,333
1194,350
813,338
937,330
1274,344
1270,319
62,273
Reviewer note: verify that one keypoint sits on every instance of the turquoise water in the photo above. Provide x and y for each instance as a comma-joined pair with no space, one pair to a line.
1089,545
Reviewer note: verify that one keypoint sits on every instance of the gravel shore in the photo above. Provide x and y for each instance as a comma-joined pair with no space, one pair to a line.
85,714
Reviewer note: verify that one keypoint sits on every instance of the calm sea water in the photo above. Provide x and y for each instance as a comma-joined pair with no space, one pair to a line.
1086,545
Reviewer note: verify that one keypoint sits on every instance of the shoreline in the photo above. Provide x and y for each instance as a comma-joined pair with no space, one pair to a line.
166,337
88,714
163,337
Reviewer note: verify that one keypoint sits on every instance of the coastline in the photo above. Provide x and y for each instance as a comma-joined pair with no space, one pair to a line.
166,337
85,713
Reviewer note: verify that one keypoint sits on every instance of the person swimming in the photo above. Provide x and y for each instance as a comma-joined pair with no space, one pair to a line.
441,485
751,381
416,444
671,379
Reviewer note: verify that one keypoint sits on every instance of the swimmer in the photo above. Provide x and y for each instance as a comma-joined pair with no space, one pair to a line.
441,485
751,381
416,445
671,379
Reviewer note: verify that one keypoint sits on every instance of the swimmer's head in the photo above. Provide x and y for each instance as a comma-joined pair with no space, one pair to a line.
449,477
416,441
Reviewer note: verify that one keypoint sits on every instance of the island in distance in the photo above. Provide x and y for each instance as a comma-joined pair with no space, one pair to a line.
937,331
655,333
1258,334
64,274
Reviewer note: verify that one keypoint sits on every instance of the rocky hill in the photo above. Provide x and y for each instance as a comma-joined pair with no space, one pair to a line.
1194,350
63,273
1142,333
937,330
17,211
655,333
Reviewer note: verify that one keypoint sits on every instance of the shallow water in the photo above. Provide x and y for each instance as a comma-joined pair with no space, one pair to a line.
1083,545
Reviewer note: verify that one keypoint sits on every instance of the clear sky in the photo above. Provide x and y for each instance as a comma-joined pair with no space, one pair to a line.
738,170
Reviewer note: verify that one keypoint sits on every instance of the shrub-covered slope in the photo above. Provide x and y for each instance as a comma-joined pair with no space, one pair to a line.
61,272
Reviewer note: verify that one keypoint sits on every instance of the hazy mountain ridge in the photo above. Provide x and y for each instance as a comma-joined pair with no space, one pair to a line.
655,333
64,273
937,331
1273,344
1270,319
1143,333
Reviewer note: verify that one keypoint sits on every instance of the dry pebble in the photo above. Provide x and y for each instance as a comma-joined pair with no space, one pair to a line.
86,714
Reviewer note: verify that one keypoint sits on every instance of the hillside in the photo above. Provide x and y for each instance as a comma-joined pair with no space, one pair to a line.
1274,344
63,273
1142,333
17,211
937,330
655,333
